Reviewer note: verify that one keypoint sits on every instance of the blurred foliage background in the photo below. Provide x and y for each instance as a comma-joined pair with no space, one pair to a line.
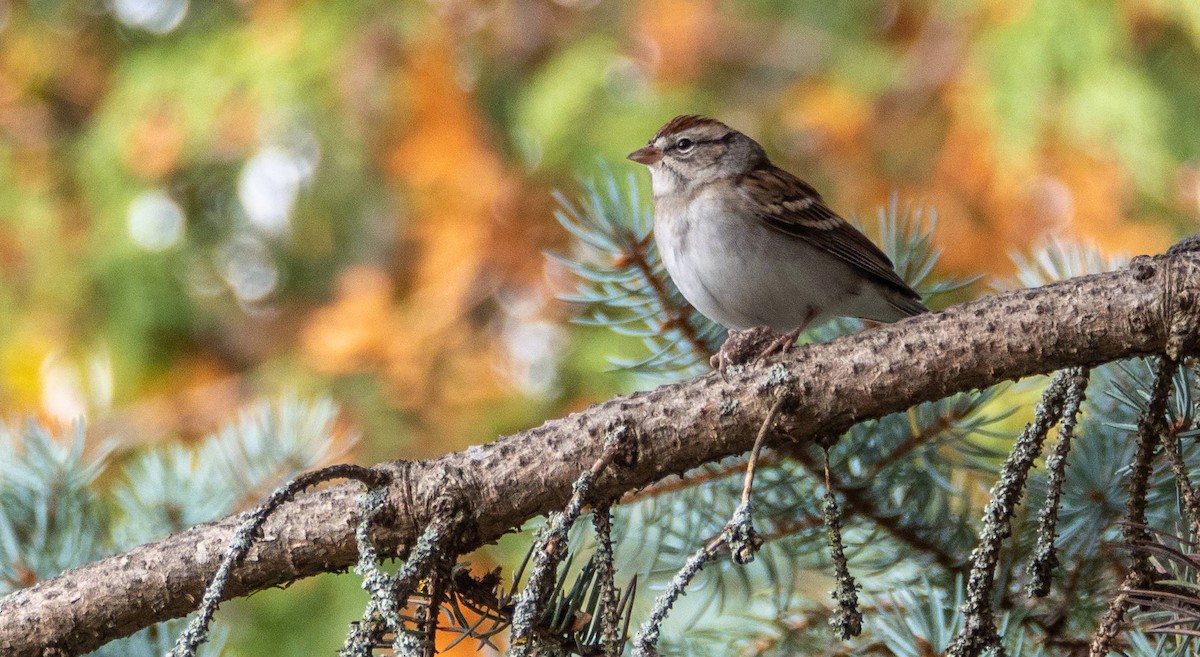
203,204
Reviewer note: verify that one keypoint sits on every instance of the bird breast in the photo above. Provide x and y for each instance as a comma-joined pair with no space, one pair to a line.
740,273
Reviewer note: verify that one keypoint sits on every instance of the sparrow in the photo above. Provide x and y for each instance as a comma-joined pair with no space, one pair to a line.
750,245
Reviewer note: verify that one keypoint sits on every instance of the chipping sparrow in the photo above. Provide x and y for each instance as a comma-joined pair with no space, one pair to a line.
749,244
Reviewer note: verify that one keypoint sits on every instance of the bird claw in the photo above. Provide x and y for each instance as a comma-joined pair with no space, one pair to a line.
723,359
752,345
781,344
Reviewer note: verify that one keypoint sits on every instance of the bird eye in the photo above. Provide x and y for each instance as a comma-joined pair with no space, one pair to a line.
684,145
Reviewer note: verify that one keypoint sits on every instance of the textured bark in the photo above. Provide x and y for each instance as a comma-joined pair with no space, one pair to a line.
1149,307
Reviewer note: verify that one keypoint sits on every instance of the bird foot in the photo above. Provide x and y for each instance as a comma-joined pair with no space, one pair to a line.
782,344
751,346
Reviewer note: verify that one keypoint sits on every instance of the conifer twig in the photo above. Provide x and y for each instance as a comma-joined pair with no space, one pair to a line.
551,547
978,631
738,534
1149,433
610,621
197,630
743,539
859,503
1187,492
1045,559
390,593
848,618
429,623
752,464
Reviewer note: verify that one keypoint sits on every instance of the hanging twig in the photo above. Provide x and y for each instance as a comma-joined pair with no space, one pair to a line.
1149,433
610,620
1183,482
551,547
979,624
197,630
390,593
848,619
738,534
435,584
1045,558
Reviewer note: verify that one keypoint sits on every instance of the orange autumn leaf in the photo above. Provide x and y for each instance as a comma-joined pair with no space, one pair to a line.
352,332
831,110
152,149
678,37
426,341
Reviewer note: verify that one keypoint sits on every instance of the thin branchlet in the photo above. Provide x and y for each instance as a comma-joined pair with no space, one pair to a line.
644,644
1149,433
858,502
610,613
1045,558
738,534
389,593
197,630
1187,492
847,620
429,612
551,547
1151,425
744,540
381,612
978,631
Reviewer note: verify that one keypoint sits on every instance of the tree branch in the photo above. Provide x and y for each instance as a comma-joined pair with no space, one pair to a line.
1146,308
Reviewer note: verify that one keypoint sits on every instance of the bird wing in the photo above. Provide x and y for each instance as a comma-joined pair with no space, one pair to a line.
793,207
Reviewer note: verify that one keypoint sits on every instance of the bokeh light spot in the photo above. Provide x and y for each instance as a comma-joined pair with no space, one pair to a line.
63,397
248,268
155,221
157,16
269,184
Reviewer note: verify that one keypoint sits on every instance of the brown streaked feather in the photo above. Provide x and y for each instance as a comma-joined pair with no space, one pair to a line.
793,207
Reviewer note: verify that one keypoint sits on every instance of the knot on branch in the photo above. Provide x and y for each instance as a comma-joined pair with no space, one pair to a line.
454,501
621,439
744,541
427,564
415,500
1181,301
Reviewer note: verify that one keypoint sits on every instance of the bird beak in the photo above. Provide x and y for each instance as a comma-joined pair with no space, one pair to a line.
647,155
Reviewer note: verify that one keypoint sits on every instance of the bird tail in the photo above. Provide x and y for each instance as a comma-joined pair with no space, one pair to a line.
896,306
907,306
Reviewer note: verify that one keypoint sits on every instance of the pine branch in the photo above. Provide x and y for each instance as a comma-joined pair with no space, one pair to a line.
860,503
1147,308
621,280
682,317
1150,428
